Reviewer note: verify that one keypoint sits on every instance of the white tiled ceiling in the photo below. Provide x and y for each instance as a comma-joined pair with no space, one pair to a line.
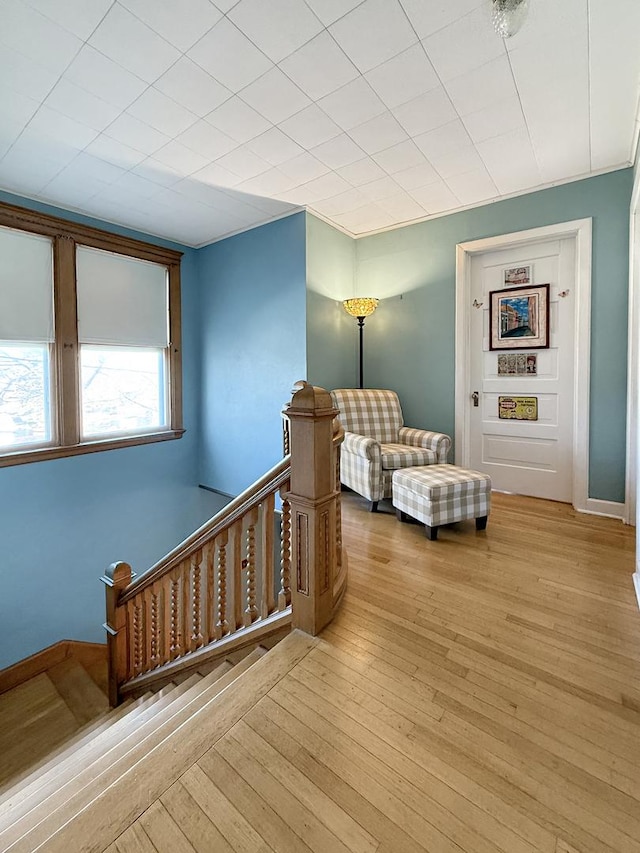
196,119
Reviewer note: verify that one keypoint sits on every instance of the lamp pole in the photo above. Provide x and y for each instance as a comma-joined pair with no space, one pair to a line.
361,332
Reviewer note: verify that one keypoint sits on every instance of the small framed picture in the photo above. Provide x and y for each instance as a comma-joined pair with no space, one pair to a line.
518,275
522,364
519,318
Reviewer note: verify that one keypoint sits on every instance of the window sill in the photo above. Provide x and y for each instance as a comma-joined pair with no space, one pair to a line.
23,456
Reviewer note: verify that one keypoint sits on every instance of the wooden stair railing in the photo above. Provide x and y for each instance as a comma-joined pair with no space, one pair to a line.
223,587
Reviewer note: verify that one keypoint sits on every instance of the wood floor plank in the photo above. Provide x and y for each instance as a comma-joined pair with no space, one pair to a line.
273,724
298,817
396,758
135,840
426,742
163,832
201,832
381,787
233,825
337,821
265,820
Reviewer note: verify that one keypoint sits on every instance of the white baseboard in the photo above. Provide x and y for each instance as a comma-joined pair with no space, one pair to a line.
636,583
610,509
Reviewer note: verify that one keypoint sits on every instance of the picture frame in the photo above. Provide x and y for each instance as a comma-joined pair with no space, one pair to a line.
519,318
518,275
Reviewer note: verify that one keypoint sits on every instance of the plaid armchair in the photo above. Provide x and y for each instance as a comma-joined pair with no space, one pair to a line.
376,442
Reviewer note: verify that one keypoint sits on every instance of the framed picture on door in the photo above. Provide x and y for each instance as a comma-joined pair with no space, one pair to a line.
519,317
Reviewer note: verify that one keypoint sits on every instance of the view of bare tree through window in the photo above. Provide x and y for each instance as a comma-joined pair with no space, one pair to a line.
123,389
24,394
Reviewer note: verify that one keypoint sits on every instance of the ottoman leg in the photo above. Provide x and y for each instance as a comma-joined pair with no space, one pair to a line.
481,523
374,506
401,515
432,532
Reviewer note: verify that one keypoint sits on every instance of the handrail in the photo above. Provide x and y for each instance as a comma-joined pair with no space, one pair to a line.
225,518
225,579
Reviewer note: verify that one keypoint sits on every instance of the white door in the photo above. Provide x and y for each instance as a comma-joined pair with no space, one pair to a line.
527,457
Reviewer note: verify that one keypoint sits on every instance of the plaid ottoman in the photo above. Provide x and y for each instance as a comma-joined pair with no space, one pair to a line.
441,494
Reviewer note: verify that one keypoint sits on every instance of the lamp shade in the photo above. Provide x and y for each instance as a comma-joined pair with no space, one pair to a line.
508,16
361,306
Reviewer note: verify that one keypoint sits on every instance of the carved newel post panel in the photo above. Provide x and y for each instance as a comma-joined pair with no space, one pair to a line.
313,498
117,577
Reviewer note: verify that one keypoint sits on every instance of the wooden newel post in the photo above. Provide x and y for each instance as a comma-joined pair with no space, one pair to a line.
313,498
117,577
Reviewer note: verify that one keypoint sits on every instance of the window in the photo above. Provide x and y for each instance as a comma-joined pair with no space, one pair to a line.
89,339
26,338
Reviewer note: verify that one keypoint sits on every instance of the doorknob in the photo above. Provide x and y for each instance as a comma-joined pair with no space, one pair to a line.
475,397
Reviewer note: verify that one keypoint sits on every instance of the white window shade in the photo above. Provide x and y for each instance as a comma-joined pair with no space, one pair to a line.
26,287
121,301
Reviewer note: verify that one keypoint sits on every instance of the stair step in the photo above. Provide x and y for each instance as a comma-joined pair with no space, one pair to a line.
107,746
57,770
34,719
19,783
100,801
82,695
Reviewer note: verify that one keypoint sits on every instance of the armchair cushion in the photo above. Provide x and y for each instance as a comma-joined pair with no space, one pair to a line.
404,456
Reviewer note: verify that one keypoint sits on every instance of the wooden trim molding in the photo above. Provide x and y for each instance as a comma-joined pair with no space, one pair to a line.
12,216
58,452
66,432
22,671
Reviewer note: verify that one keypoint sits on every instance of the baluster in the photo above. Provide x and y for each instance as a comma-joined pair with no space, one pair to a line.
154,628
236,572
146,646
251,611
131,640
267,592
175,637
138,635
210,601
284,595
196,602
185,610
166,640
222,626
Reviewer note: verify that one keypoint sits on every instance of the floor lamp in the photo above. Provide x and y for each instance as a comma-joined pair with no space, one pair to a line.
360,307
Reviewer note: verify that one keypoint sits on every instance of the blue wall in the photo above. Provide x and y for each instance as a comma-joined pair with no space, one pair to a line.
62,522
409,341
253,308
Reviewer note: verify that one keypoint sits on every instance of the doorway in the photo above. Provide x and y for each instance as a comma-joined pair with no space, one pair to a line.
543,452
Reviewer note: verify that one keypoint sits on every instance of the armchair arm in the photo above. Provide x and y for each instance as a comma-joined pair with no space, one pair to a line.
361,445
437,441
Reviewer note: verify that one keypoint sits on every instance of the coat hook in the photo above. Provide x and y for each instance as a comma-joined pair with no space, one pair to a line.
477,304
564,293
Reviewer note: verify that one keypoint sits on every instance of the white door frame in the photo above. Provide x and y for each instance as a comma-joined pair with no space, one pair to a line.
633,382
580,231
633,367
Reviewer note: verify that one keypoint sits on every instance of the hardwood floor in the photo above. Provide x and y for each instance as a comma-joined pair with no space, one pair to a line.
479,693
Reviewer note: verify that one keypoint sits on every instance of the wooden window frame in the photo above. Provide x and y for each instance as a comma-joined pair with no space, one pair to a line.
65,237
